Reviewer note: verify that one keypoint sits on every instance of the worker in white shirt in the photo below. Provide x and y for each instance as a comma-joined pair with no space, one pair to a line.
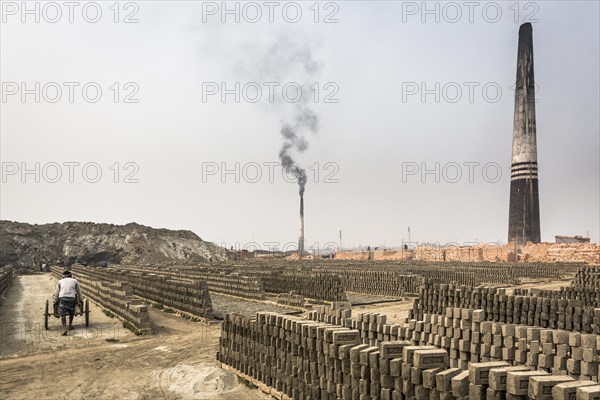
67,295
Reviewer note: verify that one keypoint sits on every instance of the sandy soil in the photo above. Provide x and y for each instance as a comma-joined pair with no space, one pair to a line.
177,362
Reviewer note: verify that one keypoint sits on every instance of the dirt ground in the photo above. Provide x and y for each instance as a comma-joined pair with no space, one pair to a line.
106,361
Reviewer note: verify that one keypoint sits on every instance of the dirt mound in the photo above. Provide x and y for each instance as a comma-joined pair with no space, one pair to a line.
22,244
196,382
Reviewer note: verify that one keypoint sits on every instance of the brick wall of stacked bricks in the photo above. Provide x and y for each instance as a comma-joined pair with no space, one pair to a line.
544,312
6,276
378,282
191,297
394,278
459,272
507,272
469,338
587,279
255,277
478,273
305,282
589,297
290,299
115,296
453,356
372,327
219,280
234,284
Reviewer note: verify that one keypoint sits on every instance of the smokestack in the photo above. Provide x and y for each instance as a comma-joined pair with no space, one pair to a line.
301,237
524,210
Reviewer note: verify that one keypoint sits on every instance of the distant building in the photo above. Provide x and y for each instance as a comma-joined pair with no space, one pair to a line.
571,239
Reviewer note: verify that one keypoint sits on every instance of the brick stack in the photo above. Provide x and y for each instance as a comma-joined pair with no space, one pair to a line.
388,278
290,299
234,284
391,283
188,297
577,296
323,286
309,360
469,338
372,327
545,312
300,358
304,359
219,280
587,278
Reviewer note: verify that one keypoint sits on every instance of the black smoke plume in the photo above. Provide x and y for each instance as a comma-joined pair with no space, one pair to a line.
305,120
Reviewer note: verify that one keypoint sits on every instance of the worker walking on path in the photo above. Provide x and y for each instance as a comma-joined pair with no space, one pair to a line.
67,295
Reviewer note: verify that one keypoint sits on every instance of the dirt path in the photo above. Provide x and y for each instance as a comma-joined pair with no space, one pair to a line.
22,320
177,362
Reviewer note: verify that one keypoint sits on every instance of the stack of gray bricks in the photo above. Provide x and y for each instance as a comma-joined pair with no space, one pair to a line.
188,297
304,359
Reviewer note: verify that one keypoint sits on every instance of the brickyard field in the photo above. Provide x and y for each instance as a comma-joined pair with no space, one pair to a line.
193,332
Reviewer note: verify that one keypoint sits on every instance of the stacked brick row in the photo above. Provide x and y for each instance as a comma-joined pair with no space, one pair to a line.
190,297
115,296
255,277
323,286
233,284
372,327
586,297
384,283
544,312
218,280
252,279
459,272
290,299
6,276
302,359
470,339
587,278
480,273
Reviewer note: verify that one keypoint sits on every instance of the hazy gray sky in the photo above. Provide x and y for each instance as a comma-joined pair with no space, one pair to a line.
371,146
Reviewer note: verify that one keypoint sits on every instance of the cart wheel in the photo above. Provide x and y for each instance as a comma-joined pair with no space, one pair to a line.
46,314
87,312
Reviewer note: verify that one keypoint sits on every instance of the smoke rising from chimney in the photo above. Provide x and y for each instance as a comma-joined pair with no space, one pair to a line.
305,120
290,59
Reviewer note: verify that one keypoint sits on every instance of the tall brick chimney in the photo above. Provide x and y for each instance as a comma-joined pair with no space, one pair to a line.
524,210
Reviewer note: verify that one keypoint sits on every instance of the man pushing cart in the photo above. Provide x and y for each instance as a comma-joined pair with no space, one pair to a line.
67,295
